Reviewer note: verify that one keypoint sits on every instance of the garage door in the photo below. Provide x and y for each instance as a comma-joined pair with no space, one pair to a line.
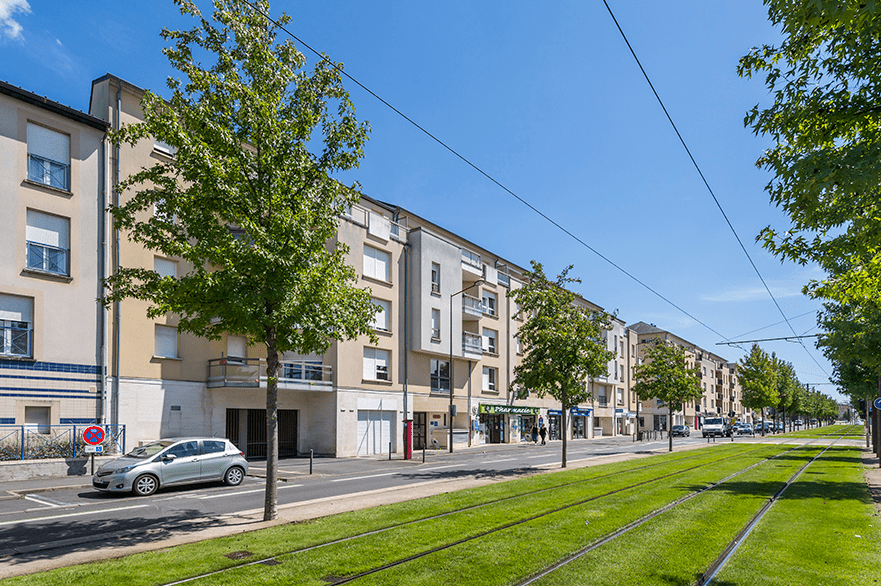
375,430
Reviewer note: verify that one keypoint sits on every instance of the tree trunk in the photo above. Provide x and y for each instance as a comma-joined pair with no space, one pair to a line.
564,431
670,428
270,505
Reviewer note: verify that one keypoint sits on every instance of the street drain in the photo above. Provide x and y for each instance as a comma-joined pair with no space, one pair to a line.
239,555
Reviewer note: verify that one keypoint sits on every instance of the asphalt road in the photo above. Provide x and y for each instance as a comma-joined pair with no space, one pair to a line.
33,523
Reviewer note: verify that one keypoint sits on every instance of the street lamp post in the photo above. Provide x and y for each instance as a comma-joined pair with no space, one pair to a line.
453,380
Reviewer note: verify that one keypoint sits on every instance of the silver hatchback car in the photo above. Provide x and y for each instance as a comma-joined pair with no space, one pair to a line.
173,461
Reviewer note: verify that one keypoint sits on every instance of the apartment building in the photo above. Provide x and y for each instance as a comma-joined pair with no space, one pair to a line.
443,360
722,394
51,325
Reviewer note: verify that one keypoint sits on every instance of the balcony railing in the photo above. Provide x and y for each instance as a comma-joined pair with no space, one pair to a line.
251,373
50,259
15,338
472,305
48,172
472,259
472,343
504,280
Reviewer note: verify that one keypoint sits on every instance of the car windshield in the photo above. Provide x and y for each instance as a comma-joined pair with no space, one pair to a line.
713,421
148,450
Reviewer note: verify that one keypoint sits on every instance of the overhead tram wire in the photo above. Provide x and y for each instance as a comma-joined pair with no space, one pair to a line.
786,338
478,169
777,324
706,183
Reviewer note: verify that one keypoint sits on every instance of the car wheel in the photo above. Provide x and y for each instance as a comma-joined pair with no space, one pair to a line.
145,485
234,476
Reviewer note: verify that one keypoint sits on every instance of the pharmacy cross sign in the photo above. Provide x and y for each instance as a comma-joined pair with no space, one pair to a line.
93,435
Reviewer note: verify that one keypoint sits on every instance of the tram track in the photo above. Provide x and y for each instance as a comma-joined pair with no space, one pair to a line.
518,522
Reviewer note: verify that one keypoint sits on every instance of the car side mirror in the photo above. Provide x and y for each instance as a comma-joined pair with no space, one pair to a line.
169,458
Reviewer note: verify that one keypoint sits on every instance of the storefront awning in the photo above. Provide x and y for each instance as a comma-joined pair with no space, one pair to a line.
490,409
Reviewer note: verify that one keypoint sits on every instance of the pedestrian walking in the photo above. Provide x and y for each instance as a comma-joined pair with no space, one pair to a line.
543,432
535,435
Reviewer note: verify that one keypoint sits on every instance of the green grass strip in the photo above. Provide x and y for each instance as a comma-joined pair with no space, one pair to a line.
679,545
179,562
558,534
823,531
829,432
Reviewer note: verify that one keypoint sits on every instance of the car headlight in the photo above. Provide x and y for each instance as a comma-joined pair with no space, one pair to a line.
124,470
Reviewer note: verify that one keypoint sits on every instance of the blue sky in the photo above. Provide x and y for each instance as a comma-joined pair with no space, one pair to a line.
547,99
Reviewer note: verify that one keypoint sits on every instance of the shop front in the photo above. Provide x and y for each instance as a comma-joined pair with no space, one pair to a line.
554,422
495,420
580,422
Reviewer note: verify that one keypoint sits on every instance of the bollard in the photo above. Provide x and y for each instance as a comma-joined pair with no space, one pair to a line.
311,453
390,451
423,453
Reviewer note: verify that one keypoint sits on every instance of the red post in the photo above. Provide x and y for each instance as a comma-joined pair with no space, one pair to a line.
408,439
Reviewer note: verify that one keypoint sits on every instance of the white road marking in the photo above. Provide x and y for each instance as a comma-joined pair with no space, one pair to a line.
218,496
363,477
497,461
72,515
44,501
439,467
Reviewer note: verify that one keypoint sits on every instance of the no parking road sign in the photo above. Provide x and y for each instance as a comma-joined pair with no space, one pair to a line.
93,435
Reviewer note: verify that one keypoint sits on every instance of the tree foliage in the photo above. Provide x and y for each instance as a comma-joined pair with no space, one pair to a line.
248,199
665,374
758,378
563,340
825,77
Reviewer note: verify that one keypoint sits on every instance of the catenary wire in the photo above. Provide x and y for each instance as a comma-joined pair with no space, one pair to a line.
468,162
707,184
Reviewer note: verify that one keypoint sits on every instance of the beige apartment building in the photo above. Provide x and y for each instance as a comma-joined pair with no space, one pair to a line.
447,326
51,231
722,394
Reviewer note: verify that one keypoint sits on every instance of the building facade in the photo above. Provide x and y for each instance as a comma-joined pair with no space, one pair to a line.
51,231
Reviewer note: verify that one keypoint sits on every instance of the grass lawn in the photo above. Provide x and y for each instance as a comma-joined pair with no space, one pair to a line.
824,530
832,431
671,547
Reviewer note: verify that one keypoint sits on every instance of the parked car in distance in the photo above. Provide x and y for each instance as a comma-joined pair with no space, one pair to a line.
173,461
744,429
680,430
769,427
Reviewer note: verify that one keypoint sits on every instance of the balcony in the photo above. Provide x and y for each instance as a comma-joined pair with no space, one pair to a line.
472,268
472,307
472,345
301,375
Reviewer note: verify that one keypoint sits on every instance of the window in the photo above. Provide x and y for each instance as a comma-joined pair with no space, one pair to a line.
435,278
165,342
381,319
48,157
37,419
16,325
440,376
489,341
236,346
376,364
490,378
48,242
622,347
435,324
376,263
620,396
165,267
489,303
517,345
164,148
601,397
184,450
213,447
615,372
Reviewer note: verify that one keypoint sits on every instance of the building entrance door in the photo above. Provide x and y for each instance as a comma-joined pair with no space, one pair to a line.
419,425
250,425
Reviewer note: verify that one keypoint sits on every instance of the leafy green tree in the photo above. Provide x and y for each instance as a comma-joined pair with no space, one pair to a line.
787,386
563,339
248,198
825,77
758,377
665,375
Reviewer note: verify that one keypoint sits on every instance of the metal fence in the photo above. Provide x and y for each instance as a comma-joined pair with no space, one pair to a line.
39,442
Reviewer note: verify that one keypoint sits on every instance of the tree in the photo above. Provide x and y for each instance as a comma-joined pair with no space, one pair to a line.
825,77
665,375
787,386
758,377
247,199
563,339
